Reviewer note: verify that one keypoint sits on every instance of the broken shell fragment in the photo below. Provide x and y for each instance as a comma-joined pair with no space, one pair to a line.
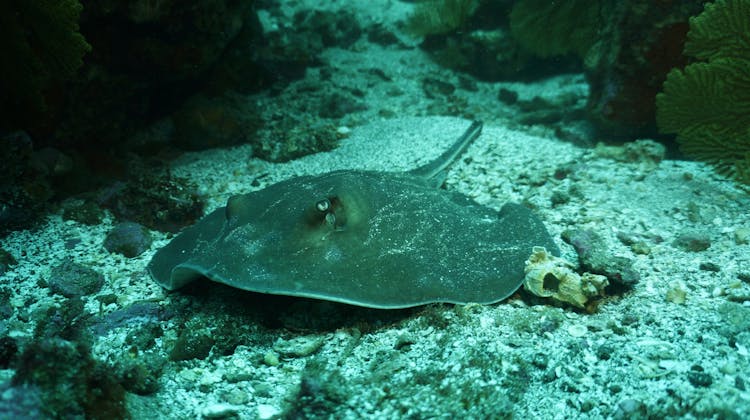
553,277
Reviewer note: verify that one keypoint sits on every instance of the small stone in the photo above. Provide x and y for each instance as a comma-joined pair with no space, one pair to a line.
676,293
507,96
577,330
129,239
559,198
71,279
299,346
6,261
742,236
605,351
595,257
267,411
641,248
692,242
709,266
739,383
435,88
219,411
271,358
236,397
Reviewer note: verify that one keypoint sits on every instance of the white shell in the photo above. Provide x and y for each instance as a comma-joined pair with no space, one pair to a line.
553,277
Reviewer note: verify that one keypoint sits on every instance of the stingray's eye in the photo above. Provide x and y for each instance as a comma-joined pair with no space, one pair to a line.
323,205
331,219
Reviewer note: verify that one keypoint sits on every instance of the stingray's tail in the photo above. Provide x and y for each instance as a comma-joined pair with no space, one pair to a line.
439,165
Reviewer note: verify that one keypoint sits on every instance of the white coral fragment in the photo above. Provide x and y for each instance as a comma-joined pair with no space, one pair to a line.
553,277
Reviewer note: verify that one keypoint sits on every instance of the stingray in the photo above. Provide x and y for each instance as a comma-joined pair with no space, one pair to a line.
375,239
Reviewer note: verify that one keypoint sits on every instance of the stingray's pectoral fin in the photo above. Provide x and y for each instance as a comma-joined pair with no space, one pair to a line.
524,225
171,265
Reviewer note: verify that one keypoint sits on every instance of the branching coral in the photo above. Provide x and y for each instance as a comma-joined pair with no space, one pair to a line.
708,103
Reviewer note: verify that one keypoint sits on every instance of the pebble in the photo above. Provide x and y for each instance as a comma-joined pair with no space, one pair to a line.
236,397
595,256
129,239
692,241
299,346
742,236
219,411
698,378
71,279
577,330
677,293
267,411
271,358
6,261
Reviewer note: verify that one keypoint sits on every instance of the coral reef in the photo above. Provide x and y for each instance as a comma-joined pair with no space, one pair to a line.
707,104
550,28
641,41
158,201
58,367
42,46
441,16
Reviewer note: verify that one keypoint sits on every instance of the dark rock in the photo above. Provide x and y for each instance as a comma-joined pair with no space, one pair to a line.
6,261
144,337
66,321
6,308
435,88
379,34
129,239
605,351
595,257
507,96
698,378
8,351
559,198
191,345
709,266
146,313
320,390
289,138
467,83
71,279
157,201
24,191
692,241
141,376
